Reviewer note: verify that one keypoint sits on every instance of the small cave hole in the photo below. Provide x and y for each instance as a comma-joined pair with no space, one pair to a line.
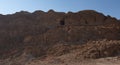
86,22
62,22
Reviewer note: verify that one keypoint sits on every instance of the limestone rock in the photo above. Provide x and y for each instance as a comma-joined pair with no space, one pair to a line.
41,31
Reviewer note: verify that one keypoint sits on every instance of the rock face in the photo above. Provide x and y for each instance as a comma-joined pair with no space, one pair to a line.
38,33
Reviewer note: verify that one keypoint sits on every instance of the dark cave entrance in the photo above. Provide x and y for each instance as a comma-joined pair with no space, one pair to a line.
62,22
86,22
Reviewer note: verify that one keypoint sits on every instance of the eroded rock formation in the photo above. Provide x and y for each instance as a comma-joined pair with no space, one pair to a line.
40,33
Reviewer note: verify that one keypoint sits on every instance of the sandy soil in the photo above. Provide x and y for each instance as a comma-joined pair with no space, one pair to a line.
102,61
63,60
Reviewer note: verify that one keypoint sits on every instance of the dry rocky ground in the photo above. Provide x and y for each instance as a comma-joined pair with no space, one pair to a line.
101,52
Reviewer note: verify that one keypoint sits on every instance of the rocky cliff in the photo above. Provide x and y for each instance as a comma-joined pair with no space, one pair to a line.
55,33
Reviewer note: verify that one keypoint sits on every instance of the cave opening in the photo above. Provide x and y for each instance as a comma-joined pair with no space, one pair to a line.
62,22
86,22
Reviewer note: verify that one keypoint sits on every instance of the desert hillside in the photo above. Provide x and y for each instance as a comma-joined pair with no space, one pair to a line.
58,38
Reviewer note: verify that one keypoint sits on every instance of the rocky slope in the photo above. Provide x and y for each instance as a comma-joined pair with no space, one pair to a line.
85,34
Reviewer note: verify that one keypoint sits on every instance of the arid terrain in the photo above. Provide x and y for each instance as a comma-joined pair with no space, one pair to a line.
56,38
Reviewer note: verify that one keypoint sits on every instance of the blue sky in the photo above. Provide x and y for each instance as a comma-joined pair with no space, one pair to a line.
108,7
